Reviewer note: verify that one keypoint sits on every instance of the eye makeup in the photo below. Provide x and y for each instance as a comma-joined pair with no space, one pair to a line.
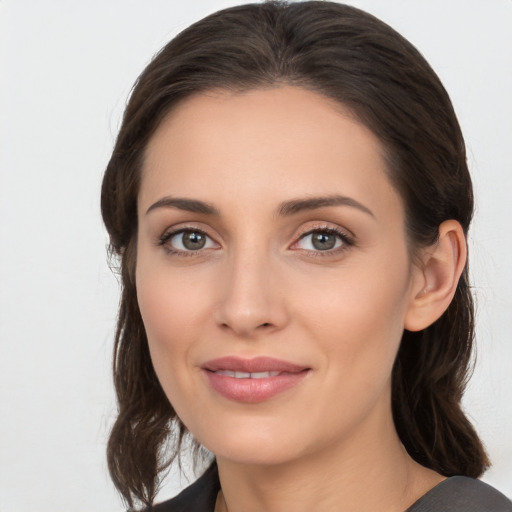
318,241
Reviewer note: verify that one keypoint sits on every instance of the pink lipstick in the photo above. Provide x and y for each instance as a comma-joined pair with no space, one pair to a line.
252,380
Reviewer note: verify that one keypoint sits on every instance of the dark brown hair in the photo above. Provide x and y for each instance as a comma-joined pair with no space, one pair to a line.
357,60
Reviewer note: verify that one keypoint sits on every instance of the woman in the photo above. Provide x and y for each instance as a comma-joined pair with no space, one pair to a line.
289,199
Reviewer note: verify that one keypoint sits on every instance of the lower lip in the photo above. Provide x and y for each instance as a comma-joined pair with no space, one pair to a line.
253,390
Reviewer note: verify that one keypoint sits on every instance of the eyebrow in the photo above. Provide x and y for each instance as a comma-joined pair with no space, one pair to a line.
188,205
312,203
285,209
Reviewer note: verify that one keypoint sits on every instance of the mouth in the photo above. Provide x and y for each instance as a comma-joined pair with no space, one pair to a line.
248,375
252,380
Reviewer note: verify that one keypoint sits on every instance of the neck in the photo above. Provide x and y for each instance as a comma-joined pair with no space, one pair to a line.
363,474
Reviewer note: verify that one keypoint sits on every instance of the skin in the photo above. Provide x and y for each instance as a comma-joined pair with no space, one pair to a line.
260,287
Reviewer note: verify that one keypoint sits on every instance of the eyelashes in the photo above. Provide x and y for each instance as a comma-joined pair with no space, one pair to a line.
324,240
186,241
318,241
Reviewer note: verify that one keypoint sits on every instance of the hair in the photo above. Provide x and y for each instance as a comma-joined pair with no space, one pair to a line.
359,61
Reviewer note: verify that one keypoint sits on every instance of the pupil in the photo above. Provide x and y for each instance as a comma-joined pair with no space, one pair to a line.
323,241
193,241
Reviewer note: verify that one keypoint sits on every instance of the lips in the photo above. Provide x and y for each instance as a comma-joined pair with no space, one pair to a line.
252,380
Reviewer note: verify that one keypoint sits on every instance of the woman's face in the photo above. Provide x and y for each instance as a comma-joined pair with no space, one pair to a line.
273,275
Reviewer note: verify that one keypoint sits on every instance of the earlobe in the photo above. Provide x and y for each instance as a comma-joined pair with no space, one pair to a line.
436,281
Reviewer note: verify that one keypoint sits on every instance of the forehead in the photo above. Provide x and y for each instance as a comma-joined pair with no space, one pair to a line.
271,143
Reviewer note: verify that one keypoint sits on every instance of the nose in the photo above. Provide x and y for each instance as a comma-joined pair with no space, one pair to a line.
251,298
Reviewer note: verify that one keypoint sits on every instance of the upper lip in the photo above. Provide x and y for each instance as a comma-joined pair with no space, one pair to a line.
252,365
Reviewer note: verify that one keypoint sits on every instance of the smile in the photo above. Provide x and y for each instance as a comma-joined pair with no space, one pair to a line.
252,380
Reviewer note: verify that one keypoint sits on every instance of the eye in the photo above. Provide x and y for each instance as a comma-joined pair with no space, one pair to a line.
326,239
187,240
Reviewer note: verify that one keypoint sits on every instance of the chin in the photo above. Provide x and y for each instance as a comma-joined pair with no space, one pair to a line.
257,455
253,444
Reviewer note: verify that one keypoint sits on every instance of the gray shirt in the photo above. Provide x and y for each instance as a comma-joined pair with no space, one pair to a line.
455,494
458,494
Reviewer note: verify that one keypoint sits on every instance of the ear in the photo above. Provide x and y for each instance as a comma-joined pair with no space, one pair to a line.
436,277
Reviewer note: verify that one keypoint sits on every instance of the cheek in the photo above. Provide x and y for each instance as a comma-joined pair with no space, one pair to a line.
160,306
356,324
174,312
358,318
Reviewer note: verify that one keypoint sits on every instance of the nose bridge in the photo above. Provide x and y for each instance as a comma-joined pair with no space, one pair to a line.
249,298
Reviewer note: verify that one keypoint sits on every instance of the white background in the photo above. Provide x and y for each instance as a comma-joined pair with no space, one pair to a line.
66,69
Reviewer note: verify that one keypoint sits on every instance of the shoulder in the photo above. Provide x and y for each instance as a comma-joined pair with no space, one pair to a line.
460,493
199,497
